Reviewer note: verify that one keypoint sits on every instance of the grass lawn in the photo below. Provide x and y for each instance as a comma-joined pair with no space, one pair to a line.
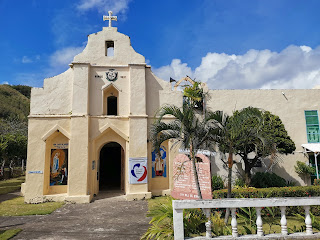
11,185
17,207
7,234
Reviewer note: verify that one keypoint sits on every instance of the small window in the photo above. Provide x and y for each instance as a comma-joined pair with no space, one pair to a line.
312,123
110,48
112,106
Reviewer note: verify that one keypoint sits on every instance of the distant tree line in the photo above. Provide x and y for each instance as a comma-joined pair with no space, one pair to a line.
14,111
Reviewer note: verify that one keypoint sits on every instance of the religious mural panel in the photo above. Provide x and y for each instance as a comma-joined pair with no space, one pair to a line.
159,163
59,167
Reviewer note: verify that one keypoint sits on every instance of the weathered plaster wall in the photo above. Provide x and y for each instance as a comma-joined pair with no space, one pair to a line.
80,90
137,90
99,83
159,93
38,155
290,110
94,52
55,97
138,148
79,157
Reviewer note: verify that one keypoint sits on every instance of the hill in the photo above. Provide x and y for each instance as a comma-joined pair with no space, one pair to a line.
14,111
13,103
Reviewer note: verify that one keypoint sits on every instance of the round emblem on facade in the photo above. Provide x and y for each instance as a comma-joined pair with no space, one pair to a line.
112,75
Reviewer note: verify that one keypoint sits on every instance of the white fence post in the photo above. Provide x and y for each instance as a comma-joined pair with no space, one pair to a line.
178,223
259,222
308,221
283,221
208,223
234,223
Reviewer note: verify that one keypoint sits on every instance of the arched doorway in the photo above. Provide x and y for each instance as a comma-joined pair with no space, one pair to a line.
111,167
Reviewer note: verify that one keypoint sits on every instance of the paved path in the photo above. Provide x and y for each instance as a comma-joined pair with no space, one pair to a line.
105,218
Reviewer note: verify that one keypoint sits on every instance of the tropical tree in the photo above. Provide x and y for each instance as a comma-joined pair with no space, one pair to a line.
195,95
231,132
271,139
189,129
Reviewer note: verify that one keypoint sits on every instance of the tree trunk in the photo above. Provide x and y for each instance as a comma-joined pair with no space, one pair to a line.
247,172
195,172
2,167
230,164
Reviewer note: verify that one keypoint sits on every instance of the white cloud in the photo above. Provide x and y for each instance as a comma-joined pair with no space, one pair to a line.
64,56
306,48
58,63
26,59
176,70
5,82
103,6
293,67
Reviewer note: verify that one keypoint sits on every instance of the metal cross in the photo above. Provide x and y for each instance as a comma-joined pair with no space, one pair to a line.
110,18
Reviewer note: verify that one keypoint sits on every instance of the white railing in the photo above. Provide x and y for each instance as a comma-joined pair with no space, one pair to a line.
233,204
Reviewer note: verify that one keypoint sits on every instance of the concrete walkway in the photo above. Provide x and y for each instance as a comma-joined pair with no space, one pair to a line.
108,217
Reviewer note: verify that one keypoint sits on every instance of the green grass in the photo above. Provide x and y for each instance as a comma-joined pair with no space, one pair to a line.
7,234
17,207
156,200
274,227
11,185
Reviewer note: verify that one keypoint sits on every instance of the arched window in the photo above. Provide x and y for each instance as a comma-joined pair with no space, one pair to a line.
110,99
112,105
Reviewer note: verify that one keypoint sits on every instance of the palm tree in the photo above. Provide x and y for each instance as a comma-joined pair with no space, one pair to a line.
232,131
190,129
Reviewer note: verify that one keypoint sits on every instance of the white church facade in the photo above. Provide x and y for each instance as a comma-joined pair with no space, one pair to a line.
88,127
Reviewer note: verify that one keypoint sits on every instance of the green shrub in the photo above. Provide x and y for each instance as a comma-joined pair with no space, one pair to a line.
162,221
291,183
316,182
267,180
239,182
297,191
217,183
219,228
303,169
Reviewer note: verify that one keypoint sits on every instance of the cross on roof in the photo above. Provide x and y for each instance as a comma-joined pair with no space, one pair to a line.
110,18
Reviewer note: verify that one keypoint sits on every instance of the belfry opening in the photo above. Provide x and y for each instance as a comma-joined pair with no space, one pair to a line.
111,167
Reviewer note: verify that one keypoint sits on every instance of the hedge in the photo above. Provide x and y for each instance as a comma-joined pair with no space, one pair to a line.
297,191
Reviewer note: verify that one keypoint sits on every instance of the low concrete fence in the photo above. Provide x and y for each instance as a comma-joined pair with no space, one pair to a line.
234,203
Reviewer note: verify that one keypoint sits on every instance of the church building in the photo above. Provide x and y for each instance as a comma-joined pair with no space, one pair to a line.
89,126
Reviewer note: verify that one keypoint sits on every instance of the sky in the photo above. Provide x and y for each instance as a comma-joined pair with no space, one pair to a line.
229,44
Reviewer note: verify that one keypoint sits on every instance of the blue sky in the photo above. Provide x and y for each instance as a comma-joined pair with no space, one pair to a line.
230,44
